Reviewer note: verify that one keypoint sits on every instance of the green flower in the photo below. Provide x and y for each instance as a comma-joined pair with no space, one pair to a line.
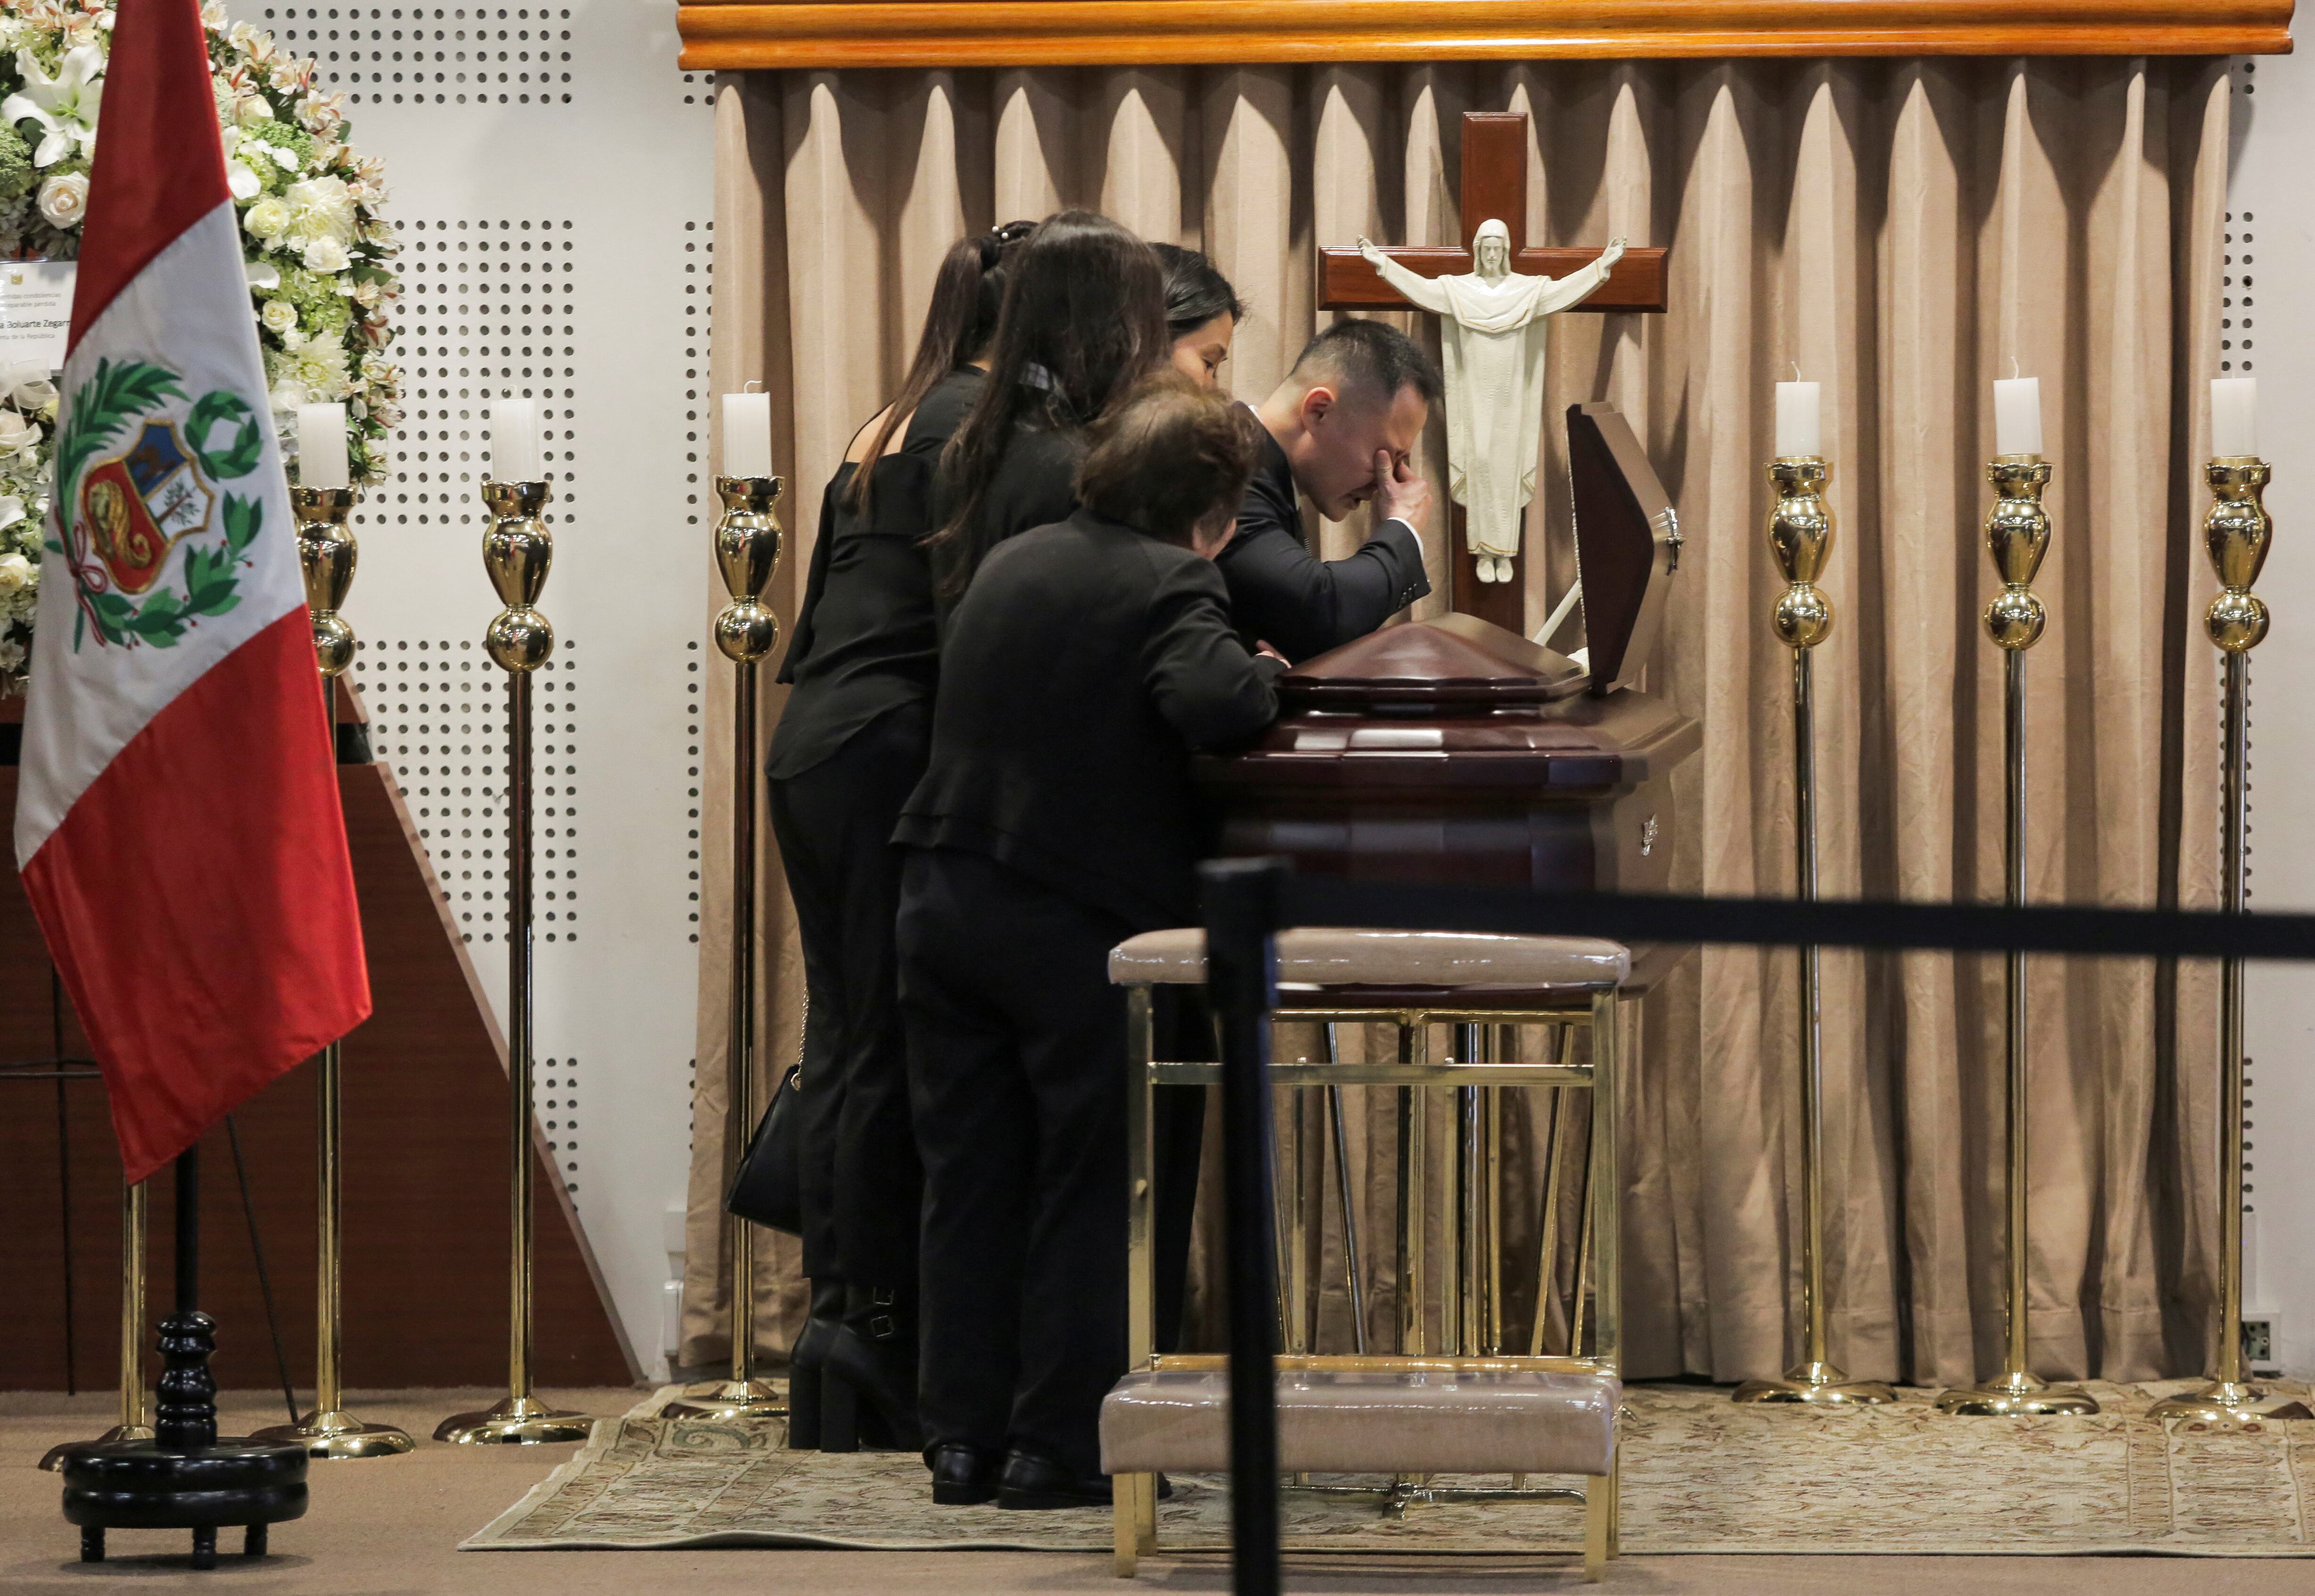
281,136
17,175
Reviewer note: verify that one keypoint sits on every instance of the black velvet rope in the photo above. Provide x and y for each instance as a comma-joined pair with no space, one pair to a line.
1247,901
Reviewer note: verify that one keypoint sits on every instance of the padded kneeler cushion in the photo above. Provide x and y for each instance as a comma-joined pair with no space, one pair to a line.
1345,1421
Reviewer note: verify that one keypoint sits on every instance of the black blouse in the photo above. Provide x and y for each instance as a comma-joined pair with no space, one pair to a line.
866,638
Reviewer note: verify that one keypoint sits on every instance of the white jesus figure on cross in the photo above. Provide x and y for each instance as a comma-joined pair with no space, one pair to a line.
1492,337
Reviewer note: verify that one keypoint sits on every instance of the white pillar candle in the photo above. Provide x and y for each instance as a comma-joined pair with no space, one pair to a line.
514,442
746,435
2017,415
322,446
2234,416
1800,428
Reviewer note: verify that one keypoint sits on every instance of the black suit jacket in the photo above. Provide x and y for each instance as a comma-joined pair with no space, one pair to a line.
1085,663
1285,595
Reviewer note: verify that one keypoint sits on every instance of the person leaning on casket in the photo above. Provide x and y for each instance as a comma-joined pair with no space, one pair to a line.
1342,428
1084,664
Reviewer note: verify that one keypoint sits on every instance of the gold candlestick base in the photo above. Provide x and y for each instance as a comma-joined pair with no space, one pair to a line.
727,1399
1817,1385
2230,1402
334,1435
517,1420
2016,1395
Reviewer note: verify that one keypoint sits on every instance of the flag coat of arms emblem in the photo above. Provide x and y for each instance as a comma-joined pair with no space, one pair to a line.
178,824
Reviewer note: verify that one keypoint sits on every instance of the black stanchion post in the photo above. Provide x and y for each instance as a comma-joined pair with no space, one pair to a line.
1241,907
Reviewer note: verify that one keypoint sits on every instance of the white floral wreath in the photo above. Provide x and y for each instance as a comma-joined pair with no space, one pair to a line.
317,249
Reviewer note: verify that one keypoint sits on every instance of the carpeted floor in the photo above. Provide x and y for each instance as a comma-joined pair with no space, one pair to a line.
1701,1475
391,1528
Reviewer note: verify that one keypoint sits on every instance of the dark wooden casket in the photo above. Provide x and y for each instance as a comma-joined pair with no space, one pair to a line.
1451,750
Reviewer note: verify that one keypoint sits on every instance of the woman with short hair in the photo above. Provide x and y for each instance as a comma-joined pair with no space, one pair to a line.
1087,661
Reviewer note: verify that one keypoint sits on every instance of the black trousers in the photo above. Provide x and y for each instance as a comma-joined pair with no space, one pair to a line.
1016,1068
834,822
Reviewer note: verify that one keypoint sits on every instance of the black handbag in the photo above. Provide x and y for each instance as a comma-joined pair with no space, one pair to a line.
769,1187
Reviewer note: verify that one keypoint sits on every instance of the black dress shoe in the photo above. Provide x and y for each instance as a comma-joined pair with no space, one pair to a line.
1035,1483
963,1475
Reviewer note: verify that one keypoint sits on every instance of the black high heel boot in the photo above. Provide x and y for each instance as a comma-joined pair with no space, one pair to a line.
874,1356
807,1365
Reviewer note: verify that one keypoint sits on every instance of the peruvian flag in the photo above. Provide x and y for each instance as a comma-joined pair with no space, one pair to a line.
177,819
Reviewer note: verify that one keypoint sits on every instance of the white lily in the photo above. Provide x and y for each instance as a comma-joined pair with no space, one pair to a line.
12,510
65,106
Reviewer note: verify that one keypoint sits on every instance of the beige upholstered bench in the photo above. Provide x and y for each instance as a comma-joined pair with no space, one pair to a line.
1467,1407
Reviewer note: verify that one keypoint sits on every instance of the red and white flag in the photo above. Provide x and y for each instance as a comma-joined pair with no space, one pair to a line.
177,817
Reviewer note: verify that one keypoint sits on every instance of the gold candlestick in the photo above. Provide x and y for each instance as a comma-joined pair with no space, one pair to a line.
133,1409
326,550
517,551
2016,534
747,544
2235,534
1800,540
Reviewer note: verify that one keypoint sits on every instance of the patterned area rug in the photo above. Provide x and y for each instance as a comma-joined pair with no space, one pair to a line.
1701,1475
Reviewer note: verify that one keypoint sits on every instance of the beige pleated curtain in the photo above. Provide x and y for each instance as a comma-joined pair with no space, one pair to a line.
1901,232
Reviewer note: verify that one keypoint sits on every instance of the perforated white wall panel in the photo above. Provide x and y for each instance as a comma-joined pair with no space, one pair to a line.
551,174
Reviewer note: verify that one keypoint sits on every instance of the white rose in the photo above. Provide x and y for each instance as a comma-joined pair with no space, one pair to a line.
252,108
327,254
267,219
12,512
15,572
63,199
241,182
278,316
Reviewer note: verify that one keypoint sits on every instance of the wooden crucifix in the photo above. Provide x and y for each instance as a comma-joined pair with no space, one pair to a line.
1494,189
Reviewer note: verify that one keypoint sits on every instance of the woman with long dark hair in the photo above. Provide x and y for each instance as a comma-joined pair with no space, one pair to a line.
851,742
1084,320
1202,313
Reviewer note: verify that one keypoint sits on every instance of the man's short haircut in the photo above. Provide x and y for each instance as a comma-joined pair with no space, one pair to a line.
1171,458
1372,360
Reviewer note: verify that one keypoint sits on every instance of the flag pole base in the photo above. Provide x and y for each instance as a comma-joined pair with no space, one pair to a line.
54,1461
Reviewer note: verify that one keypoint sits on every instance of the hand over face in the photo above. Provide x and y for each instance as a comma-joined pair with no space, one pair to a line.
1400,495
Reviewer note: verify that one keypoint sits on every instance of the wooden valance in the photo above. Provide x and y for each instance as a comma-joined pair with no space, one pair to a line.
727,34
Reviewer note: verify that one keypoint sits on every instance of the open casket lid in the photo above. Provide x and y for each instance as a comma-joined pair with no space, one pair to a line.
1454,664
1628,543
